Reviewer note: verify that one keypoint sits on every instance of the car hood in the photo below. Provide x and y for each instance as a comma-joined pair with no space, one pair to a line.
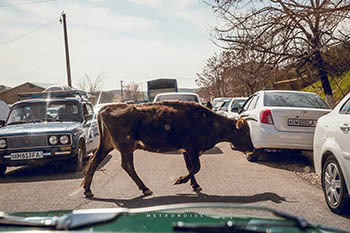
156,219
39,128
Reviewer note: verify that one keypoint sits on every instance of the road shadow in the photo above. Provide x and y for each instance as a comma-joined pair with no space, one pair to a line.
292,161
45,173
146,201
212,151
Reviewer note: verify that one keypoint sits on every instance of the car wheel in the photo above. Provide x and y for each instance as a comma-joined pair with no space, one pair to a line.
334,187
77,163
252,156
2,169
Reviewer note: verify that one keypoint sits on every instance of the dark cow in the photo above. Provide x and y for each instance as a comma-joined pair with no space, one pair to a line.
162,127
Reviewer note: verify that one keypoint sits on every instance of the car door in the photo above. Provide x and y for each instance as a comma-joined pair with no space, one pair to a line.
342,129
250,107
251,110
90,128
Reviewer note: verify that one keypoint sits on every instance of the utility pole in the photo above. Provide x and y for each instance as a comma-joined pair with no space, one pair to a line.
121,90
66,48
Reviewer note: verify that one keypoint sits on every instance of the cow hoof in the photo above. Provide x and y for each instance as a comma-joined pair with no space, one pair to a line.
88,194
147,192
179,180
197,189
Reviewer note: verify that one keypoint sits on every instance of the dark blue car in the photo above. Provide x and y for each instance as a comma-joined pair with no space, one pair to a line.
52,128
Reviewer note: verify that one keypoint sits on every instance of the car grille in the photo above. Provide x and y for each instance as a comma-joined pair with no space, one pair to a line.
26,141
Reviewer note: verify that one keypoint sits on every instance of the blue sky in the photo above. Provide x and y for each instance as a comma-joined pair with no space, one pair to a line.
129,40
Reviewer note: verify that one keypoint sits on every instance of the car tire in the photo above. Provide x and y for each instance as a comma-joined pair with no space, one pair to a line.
334,187
252,156
2,169
77,163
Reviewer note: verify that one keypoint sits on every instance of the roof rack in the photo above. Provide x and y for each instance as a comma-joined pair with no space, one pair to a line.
53,94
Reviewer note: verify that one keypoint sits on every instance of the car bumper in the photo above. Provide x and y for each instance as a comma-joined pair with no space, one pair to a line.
51,156
267,137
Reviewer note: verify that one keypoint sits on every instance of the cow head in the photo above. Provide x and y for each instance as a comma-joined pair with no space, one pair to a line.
241,139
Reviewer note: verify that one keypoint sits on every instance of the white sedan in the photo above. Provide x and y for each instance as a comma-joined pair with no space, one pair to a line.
182,96
332,155
282,120
231,107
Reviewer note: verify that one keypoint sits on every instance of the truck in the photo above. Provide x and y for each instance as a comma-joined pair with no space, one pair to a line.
161,85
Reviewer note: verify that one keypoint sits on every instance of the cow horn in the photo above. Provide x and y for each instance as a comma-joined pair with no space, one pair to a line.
242,120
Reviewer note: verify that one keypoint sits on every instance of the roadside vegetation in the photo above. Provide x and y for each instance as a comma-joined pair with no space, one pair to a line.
340,86
277,44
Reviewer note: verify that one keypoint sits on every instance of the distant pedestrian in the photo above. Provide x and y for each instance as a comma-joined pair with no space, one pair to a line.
209,105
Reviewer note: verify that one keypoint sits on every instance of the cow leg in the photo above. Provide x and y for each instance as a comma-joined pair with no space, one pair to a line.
128,166
194,184
194,164
94,161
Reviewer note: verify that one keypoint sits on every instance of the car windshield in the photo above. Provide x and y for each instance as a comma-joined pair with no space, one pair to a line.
290,99
183,97
29,112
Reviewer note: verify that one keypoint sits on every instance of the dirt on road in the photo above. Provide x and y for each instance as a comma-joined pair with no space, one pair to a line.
299,163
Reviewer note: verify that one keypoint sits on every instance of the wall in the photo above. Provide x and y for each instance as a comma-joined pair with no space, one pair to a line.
10,96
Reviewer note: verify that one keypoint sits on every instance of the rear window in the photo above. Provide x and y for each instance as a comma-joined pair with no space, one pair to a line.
288,99
178,97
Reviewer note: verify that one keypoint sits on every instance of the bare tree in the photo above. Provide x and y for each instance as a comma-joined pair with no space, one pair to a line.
132,91
284,31
93,86
215,76
235,74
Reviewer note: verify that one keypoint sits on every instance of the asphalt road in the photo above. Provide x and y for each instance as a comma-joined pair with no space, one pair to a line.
225,176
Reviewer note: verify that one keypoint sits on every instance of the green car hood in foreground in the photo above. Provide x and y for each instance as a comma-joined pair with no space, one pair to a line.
196,217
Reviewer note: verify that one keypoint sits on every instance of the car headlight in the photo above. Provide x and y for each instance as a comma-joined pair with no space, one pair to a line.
53,140
64,139
2,143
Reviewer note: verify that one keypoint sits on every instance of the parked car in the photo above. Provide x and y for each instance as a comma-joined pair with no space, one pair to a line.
282,120
4,111
45,130
233,107
223,107
218,102
183,96
332,156
97,107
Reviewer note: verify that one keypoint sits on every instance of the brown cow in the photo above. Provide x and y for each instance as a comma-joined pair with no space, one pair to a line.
162,127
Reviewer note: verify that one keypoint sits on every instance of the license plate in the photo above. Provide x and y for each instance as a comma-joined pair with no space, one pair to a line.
27,155
302,122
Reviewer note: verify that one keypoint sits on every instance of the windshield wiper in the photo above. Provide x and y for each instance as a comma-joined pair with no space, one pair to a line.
65,222
17,122
209,228
85,218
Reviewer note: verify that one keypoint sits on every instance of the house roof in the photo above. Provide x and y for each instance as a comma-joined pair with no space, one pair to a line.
42,85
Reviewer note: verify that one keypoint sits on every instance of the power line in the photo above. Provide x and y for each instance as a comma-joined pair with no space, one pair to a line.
25,3
28,33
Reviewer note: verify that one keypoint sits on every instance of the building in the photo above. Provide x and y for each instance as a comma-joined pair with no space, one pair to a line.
10,96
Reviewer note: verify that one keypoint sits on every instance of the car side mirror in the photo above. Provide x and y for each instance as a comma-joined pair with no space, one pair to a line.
2,123
240,110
